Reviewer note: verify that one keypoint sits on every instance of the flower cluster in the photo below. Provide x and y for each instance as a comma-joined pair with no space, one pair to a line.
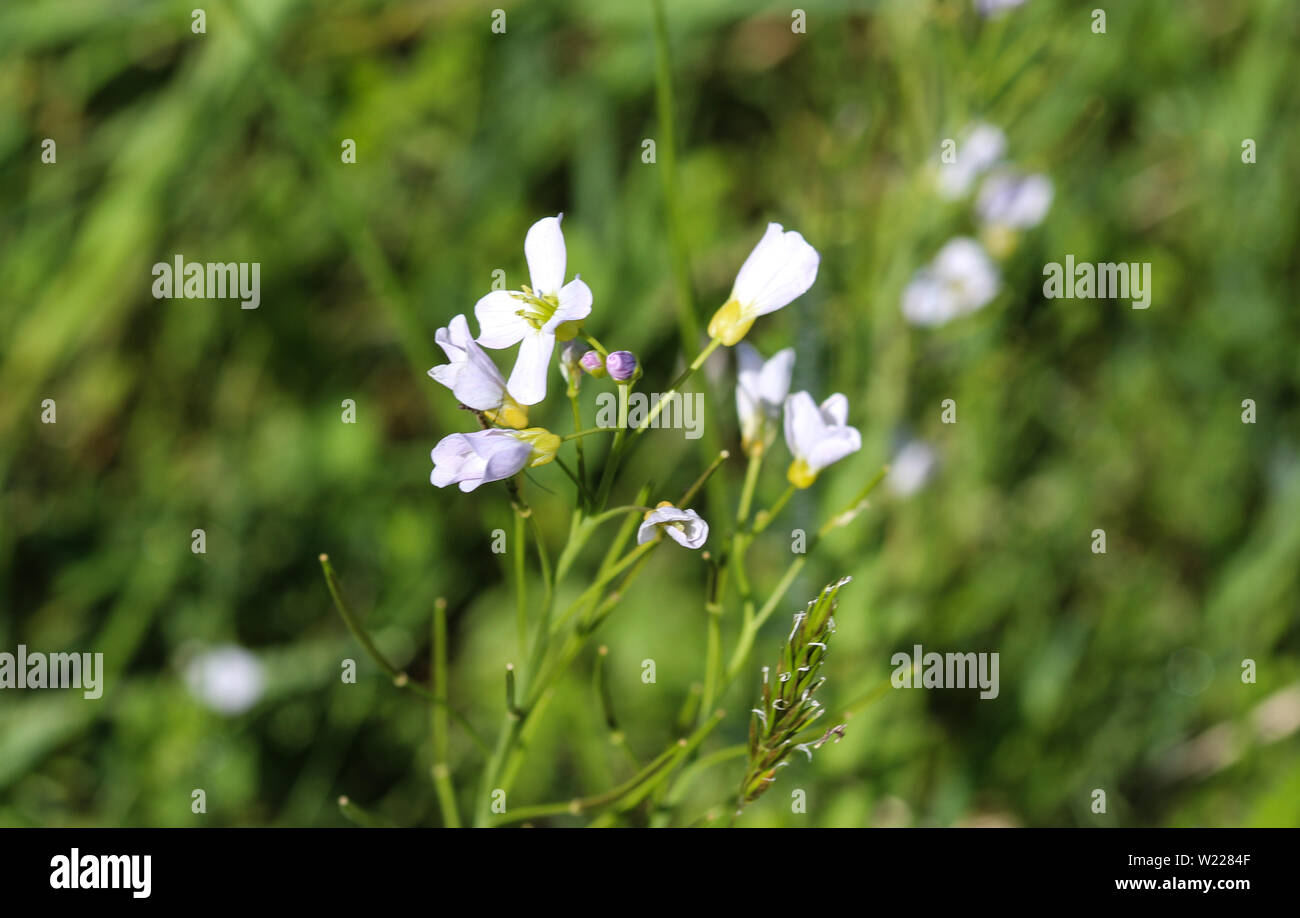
816,435
963,277
779,269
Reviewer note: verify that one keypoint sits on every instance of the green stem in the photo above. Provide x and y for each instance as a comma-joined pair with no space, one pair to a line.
616,450
765,517
699,482
600,677
441,767
600,348
400,679
521,582
360,816
666,397
687,325
583,804
747,493
582,458
542,632
589,431
700,765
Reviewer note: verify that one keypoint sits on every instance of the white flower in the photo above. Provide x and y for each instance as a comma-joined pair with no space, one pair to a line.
473,377
761,388
685,527
228,679
782,267
1014,201
991,8
980,147
476,458
961,279
817,435
911,468
535,315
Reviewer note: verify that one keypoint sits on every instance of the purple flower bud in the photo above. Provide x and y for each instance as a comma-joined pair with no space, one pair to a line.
593,363
621,365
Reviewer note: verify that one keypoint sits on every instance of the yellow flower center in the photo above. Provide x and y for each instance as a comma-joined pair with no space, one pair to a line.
537,310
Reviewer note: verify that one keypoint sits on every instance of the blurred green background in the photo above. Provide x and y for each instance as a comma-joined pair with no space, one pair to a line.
1118,671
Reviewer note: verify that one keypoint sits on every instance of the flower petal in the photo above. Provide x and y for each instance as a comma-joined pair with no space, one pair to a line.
475,458
544,249
835,444
774,381
803,424
836,410
781,267
500,324
527,383
575,304
471,376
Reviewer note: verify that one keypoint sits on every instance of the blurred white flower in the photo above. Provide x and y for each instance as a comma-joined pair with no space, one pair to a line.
912,468
685,527
536,315
1013,200
227,678
473,377
782,267
961,279
761,388
979,149
472,459
817,435
990,8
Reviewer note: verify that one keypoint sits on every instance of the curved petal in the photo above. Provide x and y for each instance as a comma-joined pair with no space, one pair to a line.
544,250
449,459
774,381
749,411
836,410
471,375
837,443
504,455
452,339
803,424
782,267
749,366
527,383
693,532
499,322
575,304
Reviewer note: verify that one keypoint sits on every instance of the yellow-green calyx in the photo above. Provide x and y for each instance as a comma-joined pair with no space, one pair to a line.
730,323
800,475
544,444
510,414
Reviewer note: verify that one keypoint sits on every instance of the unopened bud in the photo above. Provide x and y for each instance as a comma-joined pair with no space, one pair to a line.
571,364
594,364
622,366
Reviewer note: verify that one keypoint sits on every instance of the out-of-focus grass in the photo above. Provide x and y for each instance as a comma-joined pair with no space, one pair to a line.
1073,415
